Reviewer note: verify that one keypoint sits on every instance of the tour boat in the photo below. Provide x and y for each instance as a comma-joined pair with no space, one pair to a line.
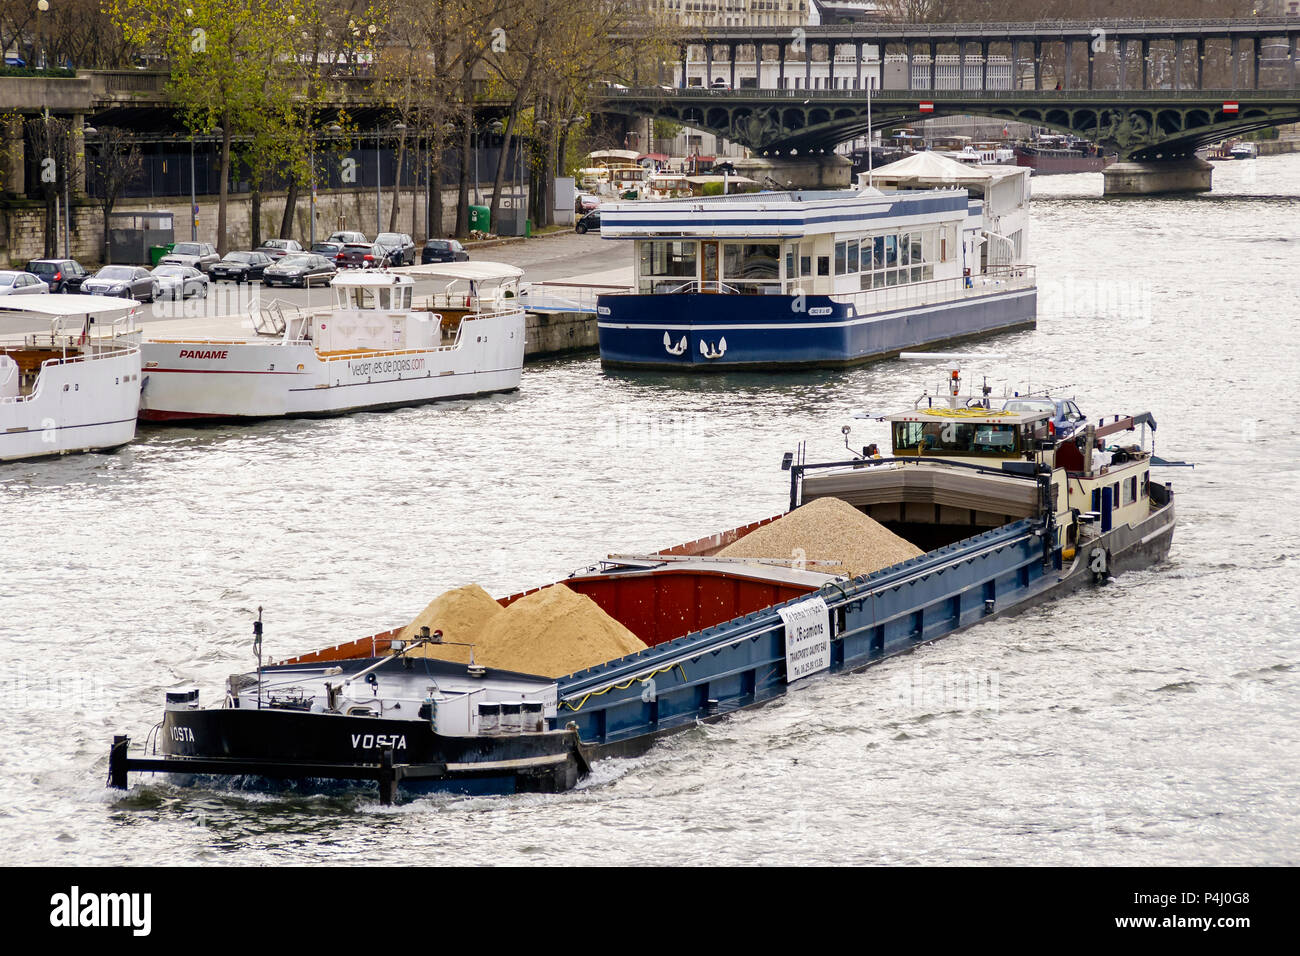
74,388
799,279
1000,513
381,346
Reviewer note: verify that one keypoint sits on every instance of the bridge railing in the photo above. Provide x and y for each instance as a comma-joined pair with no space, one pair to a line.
998,30
912,95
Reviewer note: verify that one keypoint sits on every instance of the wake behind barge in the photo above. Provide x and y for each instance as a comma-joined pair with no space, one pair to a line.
1008,517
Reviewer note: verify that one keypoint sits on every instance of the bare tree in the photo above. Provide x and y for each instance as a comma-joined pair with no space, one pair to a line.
115,163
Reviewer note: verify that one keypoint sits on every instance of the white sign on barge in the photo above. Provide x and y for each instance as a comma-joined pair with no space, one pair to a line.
379,347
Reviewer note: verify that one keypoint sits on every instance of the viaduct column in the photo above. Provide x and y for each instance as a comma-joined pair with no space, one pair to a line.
780,65
1146,62
857,47
934,50
1200,63
731,56
1038,65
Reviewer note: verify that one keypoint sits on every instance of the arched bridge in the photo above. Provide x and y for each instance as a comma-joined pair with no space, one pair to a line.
1136,124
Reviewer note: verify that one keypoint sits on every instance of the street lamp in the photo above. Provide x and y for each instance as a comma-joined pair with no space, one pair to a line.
379,174
333,129
67,193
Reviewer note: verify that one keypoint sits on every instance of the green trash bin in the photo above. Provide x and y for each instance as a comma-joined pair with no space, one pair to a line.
157,252
528,228
480,218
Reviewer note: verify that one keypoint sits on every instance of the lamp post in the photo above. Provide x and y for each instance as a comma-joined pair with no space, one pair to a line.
333,129
67,191
379,178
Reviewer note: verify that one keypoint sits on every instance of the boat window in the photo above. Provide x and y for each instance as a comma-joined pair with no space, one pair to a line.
852,256
956,438
905,249
790,255
823,265
841,258
674,259
750,261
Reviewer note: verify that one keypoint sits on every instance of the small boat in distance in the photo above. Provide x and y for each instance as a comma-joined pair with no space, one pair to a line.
381,346
75,387
1244,150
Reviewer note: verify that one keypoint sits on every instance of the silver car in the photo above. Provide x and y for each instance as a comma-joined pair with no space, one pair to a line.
196,255
180,282
21,283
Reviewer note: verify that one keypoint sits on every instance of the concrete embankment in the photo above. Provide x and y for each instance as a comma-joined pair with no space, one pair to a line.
558,333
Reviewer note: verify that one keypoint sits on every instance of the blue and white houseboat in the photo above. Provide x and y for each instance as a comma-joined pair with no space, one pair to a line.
797,279
1003,511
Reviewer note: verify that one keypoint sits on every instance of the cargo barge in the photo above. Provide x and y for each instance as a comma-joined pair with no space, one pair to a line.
1006,514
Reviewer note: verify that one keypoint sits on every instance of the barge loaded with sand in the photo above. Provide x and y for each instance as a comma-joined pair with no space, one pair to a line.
980,512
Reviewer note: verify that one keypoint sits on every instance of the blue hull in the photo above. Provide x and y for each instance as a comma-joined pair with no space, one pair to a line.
702,332
622,707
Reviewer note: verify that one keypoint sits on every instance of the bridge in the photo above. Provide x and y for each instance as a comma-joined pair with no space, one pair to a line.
1139,125
1152,91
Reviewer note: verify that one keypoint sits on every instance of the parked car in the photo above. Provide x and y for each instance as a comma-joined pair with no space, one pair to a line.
589,222
180,282
279,248
399,247
198,255
302,269
130,282
1065,414
443,250
345,237
61,275
329,249
240,266
13,282
362,255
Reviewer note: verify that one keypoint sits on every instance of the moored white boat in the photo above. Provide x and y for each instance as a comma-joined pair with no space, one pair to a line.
74,388
381,346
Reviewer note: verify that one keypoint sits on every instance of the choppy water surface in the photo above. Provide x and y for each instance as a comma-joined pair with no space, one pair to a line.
1152,721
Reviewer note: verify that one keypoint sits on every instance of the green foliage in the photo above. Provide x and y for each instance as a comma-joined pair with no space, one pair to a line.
711,189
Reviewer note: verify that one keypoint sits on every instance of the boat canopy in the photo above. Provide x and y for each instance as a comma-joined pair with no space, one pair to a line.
478,271
930,169
68,305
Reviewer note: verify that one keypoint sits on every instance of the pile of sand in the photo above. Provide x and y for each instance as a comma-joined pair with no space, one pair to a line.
552,632
460,614
826,529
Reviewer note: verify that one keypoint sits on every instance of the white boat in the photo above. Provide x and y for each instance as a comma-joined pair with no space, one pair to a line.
381,346
74,388
1244,150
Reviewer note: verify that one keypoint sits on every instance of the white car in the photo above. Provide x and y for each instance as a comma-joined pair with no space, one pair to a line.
21,283
180,282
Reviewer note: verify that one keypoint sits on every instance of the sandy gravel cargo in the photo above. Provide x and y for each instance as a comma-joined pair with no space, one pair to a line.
826,529
554,631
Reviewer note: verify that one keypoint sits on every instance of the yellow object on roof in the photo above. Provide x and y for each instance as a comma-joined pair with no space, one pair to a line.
966,413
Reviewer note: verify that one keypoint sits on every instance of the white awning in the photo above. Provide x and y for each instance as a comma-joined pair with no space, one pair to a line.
68,305
478,271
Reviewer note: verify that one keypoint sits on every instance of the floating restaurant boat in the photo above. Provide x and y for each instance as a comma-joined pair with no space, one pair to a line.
74,388
381,346
806,279
1054,155
1000,514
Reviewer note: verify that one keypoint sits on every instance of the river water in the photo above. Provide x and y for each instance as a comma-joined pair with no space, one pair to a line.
1153,721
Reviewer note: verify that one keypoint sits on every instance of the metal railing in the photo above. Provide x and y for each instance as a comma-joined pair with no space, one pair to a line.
565,296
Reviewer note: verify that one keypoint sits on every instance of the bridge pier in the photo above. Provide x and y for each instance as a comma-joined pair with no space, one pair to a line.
824,171
1190,174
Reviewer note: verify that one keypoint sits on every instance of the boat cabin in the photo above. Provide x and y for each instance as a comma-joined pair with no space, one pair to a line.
380,309
79,326
801,242
975,434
